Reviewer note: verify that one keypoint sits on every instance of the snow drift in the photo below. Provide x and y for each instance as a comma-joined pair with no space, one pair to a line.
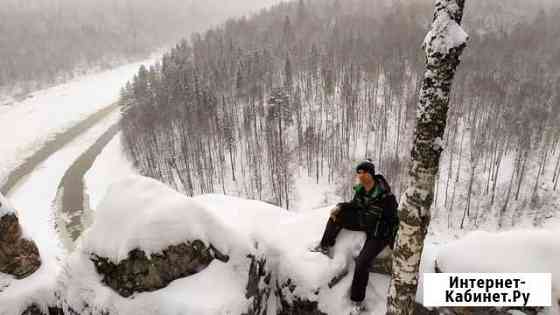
270,268
511,251
257,259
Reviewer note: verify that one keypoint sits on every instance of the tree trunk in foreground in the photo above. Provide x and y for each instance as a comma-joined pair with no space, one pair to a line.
443,46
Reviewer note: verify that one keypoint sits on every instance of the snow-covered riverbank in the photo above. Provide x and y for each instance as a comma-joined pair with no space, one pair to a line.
26,125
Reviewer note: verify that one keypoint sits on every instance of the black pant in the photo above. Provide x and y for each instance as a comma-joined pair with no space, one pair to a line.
372,247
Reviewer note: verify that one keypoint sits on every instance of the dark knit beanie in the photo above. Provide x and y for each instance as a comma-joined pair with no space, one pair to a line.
366,166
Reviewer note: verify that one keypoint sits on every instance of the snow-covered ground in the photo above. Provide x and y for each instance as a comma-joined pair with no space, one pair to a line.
34,199
5,206
156,216
234,225
283,237
109,166
312,195
25,125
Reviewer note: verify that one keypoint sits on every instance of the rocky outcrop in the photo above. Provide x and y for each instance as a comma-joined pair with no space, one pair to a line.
34,310
19,257
261,287
293,304
258,286
139,273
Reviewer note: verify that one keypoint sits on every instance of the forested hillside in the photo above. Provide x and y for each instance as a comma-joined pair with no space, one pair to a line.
211,179
307,88
48,41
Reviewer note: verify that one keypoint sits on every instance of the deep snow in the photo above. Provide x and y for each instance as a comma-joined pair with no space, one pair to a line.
109,166
156,216
283,237
34,200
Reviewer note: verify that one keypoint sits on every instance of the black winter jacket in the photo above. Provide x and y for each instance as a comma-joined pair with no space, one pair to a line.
377,210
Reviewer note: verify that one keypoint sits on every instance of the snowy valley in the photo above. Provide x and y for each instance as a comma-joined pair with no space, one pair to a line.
198,181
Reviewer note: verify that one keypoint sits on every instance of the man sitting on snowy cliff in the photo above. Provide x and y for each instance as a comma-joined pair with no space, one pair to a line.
372,210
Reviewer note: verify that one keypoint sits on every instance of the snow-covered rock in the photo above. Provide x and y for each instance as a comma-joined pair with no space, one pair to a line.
155,244
24,288
509,251
34,199
5,206
264,265
527,251
19,256
140,273
142,213
152,250
302,282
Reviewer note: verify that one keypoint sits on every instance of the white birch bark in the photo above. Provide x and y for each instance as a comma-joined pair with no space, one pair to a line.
443,46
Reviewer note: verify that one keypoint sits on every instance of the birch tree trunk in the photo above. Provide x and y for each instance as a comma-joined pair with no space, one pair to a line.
443,46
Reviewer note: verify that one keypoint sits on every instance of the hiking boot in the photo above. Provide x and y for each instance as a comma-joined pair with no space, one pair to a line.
322,249
357,308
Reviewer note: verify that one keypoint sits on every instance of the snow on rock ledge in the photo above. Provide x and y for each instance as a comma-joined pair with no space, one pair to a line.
142,213
140,273
249,257
153,244
152,250
293,279
511,251
25,285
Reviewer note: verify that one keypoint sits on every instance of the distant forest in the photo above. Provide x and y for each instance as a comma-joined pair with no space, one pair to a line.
48,41
311,87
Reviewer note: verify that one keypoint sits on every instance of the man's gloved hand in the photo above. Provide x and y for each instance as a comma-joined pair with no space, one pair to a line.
334,212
